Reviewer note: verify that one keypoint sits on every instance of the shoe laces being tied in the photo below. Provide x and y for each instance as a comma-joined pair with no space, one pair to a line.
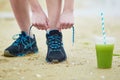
55,42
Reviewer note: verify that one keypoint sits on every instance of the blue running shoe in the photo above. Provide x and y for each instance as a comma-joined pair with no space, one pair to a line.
23,45
56,52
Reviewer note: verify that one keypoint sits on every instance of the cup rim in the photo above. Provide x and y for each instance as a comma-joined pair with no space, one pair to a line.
100,40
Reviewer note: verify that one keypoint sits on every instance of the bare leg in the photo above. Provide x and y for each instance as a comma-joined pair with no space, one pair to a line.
21,12
54,10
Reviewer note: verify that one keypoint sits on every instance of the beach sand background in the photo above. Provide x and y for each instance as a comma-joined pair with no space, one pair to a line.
81,63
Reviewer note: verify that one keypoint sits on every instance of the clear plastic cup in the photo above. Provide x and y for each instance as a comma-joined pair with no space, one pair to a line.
104,52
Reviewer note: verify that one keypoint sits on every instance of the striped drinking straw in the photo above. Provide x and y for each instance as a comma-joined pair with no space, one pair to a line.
73,35
103,28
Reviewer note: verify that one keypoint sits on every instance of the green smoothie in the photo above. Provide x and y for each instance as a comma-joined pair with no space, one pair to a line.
104,55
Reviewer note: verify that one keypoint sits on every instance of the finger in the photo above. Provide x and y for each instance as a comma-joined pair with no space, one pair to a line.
42,28
46,27
41,25
67,26
46,24
63,26
37,26
71,25
58,26
34,24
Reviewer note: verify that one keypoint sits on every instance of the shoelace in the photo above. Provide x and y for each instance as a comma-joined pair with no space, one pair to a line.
20,39
73,33
55,42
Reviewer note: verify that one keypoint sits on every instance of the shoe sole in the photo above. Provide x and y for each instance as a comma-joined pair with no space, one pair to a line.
56,60
8,54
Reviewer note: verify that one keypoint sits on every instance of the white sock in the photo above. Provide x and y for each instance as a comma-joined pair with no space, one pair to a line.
31,34
50,30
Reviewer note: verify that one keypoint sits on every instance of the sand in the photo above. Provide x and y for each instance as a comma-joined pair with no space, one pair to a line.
81,62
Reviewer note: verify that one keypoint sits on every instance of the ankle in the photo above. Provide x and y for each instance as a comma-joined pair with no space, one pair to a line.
30,34
52,29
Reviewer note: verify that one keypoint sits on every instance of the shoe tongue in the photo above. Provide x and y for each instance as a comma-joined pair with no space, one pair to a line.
23,33
53,32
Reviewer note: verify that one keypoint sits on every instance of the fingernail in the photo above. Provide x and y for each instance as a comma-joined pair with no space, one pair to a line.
59,29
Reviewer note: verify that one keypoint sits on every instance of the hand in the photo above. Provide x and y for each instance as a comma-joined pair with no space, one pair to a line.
40,20
66,20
